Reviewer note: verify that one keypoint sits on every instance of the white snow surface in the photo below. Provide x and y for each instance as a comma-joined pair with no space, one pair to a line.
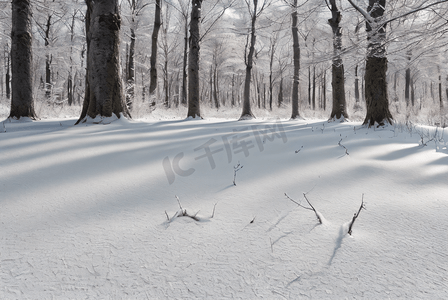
84,210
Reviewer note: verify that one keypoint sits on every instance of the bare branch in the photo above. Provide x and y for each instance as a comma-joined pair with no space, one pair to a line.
355,216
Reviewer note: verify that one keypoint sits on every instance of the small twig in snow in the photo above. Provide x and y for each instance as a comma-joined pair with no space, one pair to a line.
340,145
213,213
178,201
355,216
317,215
309,208
236,169
297,202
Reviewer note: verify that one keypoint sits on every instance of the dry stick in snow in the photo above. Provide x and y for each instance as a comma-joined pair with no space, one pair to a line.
356,215
346,150
236,169
309,208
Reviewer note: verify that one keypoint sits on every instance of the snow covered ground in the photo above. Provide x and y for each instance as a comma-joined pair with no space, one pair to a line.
84,210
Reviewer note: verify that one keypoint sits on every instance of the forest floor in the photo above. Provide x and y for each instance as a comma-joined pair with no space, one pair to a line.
90,211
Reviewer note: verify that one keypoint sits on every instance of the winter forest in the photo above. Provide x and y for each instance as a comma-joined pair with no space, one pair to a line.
320,58
226,149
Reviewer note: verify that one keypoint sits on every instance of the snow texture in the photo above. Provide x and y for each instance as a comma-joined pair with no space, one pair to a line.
83,211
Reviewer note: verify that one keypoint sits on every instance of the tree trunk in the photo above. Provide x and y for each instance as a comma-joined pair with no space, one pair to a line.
22,102
70,89
130,72
104,89
356,86
376,67
314,88
339,111
296,56
324,90
184,65
233,91
193,61
8,76
309,86
280,93
247,112
215,87
155,35
440,92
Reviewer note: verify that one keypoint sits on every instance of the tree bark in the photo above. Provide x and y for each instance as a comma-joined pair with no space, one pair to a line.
376,67
155,35
193,61
104,88
296,57
339,110
22,102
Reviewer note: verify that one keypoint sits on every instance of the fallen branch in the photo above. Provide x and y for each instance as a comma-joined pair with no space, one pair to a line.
183,213
355,216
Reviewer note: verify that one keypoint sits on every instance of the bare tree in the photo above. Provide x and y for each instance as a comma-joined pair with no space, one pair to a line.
104,87
296,56
194,54
22,102
254,11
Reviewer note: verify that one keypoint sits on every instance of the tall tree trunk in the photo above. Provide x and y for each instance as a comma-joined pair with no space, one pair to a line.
356,86
193,60
440,91
48,59
309,86
8,74
130,72
104,89
296,56
22,102
407,88
233,91
155,35
339,111
280,93
184,65
324,89
247,112
215,87
314,88
376,67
